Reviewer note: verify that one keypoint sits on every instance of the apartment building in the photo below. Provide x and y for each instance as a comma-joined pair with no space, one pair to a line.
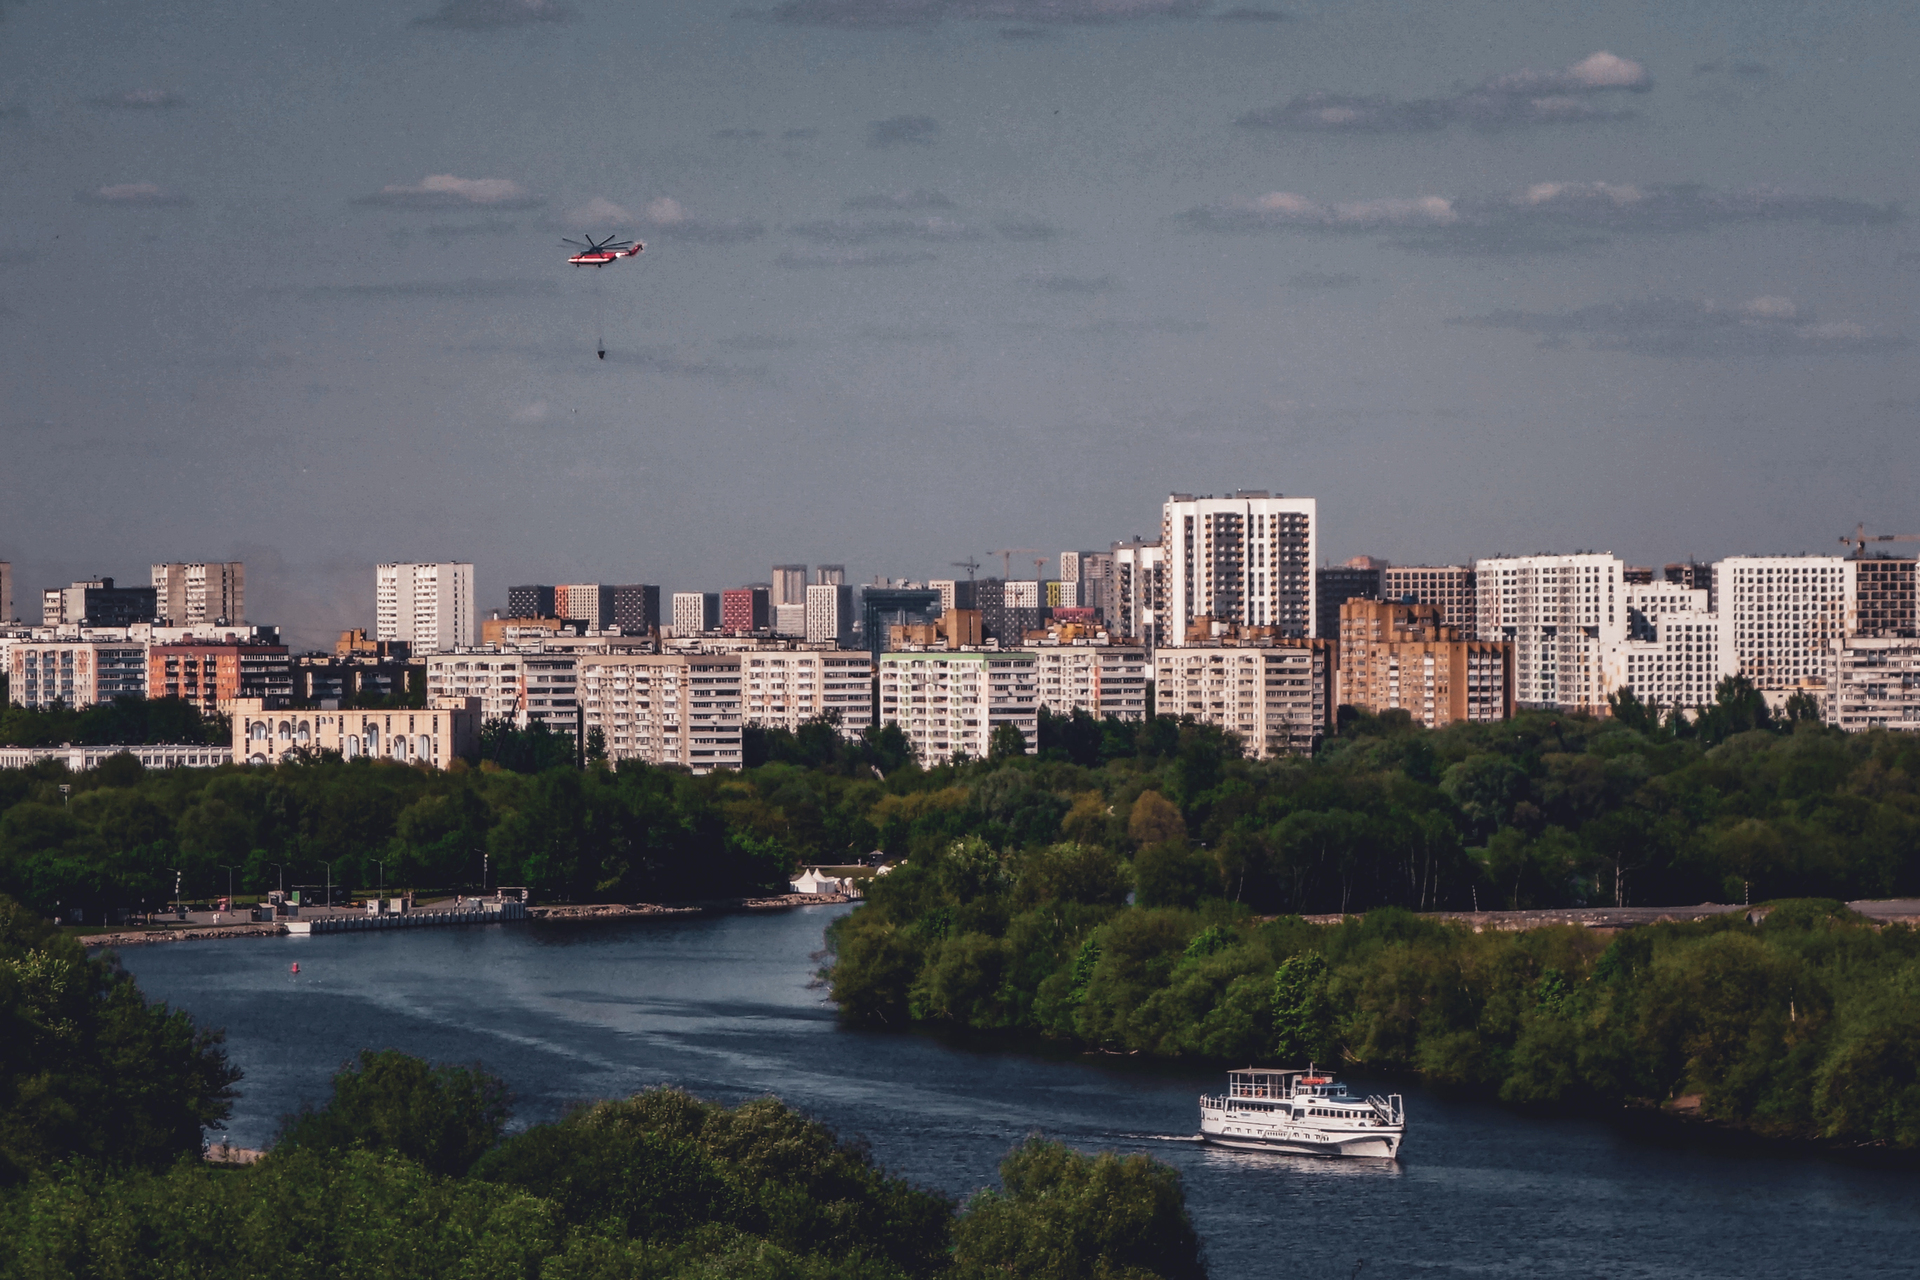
1245,559
1562,615
1880,597
1137,591
1450,587
785,688
636,608
1276,696
665,708
1108,682
75,673
550,683
1092,572
948,703
789,584
829,613
1779,616
333,681
494,680
152,755
1672,655
531,601
96,603
1396,656
1361,578
1873,682
436,736
187,595
1008,608
430,606
695,611
208,675
748,608
587,602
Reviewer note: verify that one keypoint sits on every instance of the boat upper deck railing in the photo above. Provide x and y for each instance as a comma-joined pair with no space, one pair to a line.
1261,1084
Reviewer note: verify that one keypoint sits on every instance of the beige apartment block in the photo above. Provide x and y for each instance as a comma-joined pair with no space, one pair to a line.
436,737
1276,695
948,703
1403,657
665,708
1108,682
783,689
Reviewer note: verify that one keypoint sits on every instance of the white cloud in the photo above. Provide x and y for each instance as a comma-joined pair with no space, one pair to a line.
150,194
597,214
141,100
665,211
1770,309
1519,98
446,191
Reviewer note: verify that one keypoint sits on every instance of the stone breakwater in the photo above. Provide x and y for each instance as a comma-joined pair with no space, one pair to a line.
569,913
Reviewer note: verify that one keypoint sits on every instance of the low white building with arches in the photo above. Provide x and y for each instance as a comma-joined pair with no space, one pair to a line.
436,736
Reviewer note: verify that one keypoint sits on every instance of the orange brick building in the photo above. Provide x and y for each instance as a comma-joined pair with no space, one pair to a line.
209,674
1403,657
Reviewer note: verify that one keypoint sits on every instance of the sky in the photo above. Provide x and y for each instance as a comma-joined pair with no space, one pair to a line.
928,279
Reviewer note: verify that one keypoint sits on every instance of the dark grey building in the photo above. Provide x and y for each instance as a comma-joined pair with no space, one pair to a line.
98,603
636,608
1335,586
1008,610
530,602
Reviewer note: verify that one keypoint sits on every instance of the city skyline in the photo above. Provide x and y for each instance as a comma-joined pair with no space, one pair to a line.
1482,280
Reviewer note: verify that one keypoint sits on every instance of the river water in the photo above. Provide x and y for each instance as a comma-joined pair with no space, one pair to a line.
724,1007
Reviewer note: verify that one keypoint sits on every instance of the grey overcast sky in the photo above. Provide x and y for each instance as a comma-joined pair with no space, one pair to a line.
927,278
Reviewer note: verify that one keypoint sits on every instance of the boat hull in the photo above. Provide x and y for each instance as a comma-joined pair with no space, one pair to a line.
1377,1144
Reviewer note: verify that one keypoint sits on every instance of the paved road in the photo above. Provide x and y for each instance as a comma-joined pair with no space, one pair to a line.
1887,911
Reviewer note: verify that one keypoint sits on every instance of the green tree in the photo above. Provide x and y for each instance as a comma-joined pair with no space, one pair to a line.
1006,742
1302,1013
441,1117
1061,1215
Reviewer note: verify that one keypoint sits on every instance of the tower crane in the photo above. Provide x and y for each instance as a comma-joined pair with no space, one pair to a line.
969,564
1006,555
1859,539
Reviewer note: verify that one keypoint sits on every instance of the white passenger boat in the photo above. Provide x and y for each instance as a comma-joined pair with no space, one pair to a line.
1304,1113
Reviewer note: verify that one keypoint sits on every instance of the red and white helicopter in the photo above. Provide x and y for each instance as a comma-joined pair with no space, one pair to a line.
598,253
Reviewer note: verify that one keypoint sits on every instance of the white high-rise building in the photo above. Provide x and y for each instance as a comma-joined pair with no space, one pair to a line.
829,613
1247,558
1672,655
790,620
785,688
695,611
6,593
1779,616
1563,615
430,606
948,703
191,595
1137,591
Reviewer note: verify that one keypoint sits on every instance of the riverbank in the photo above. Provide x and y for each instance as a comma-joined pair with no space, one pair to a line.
569,913
1883,911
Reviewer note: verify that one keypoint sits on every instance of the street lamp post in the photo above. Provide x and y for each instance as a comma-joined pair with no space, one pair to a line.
229,870
176,891
328,901
283,877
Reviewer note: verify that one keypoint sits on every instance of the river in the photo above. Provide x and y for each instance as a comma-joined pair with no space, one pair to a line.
724,1007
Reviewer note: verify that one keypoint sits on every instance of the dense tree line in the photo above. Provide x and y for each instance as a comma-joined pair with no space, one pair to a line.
1537,811
122,722
406,1171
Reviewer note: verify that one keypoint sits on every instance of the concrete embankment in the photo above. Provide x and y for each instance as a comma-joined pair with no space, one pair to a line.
1893,911
487,913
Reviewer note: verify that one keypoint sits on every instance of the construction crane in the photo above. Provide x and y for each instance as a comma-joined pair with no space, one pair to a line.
1039,568
1006,555
1859,539
969,564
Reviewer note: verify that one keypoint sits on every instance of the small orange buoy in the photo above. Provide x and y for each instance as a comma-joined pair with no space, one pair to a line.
296,966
